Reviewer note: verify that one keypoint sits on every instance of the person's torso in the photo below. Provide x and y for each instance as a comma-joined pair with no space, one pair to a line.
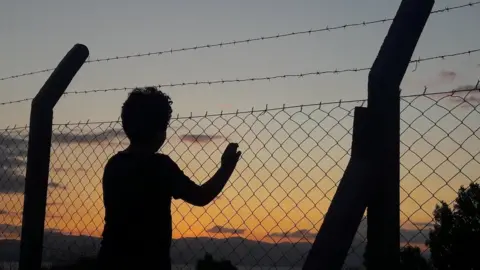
138,224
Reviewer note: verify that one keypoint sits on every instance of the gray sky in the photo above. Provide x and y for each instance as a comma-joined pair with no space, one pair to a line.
37,34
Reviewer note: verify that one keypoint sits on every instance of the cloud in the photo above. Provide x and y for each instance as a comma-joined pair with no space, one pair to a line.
412,236
65,170
303,233
200,138
87,137
447,76
13,154
13,162
54,216
19,140
473,99
467,87
16,230
53,203
12,213
14,148
221,229
113,136
465,97
424,224
57,185
10,229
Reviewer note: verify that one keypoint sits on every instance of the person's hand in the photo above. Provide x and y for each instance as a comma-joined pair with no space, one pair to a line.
231,156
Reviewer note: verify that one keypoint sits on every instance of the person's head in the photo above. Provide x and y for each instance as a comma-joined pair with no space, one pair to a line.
145,117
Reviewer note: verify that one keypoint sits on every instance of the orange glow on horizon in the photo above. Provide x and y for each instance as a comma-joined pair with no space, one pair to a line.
263,197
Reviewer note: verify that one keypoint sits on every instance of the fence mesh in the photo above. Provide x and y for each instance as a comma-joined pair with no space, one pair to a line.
271,210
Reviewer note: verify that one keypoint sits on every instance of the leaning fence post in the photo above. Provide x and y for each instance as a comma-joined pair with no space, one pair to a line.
38,156
388,70
346,211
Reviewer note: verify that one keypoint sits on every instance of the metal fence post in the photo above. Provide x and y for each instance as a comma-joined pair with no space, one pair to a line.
348,205
384,81
38,156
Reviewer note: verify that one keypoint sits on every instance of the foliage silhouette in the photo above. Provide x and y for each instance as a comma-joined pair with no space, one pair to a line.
208,263
80,264
455,240
411,259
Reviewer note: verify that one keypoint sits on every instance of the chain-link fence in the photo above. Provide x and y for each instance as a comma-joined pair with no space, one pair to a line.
271,210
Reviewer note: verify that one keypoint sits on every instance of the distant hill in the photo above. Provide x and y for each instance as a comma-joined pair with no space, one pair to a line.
65,248
239,250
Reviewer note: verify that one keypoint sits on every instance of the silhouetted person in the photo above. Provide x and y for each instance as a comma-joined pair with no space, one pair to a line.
138,184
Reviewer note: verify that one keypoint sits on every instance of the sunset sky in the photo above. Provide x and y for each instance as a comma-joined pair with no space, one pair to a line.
37,35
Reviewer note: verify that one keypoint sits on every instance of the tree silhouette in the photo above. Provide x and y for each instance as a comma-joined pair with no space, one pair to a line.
81,264
411,259
208,263
455,240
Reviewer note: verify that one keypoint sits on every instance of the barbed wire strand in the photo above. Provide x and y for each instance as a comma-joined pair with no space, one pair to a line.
243,41
451,93
341,101
253,79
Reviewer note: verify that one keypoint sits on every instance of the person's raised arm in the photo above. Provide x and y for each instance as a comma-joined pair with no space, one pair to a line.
206,193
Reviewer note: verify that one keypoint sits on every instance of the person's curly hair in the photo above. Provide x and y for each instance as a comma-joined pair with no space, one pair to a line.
146,112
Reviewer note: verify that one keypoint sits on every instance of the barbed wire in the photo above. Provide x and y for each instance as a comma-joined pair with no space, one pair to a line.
242,41
468,88
224,81
253,79
15,101
319,104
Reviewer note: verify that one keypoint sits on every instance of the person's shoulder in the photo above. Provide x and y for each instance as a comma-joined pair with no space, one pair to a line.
118,156
163,158
117,159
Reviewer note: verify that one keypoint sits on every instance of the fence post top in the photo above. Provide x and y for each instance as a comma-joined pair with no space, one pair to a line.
61,77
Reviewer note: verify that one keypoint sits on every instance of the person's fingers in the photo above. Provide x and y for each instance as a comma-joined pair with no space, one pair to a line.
231,147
